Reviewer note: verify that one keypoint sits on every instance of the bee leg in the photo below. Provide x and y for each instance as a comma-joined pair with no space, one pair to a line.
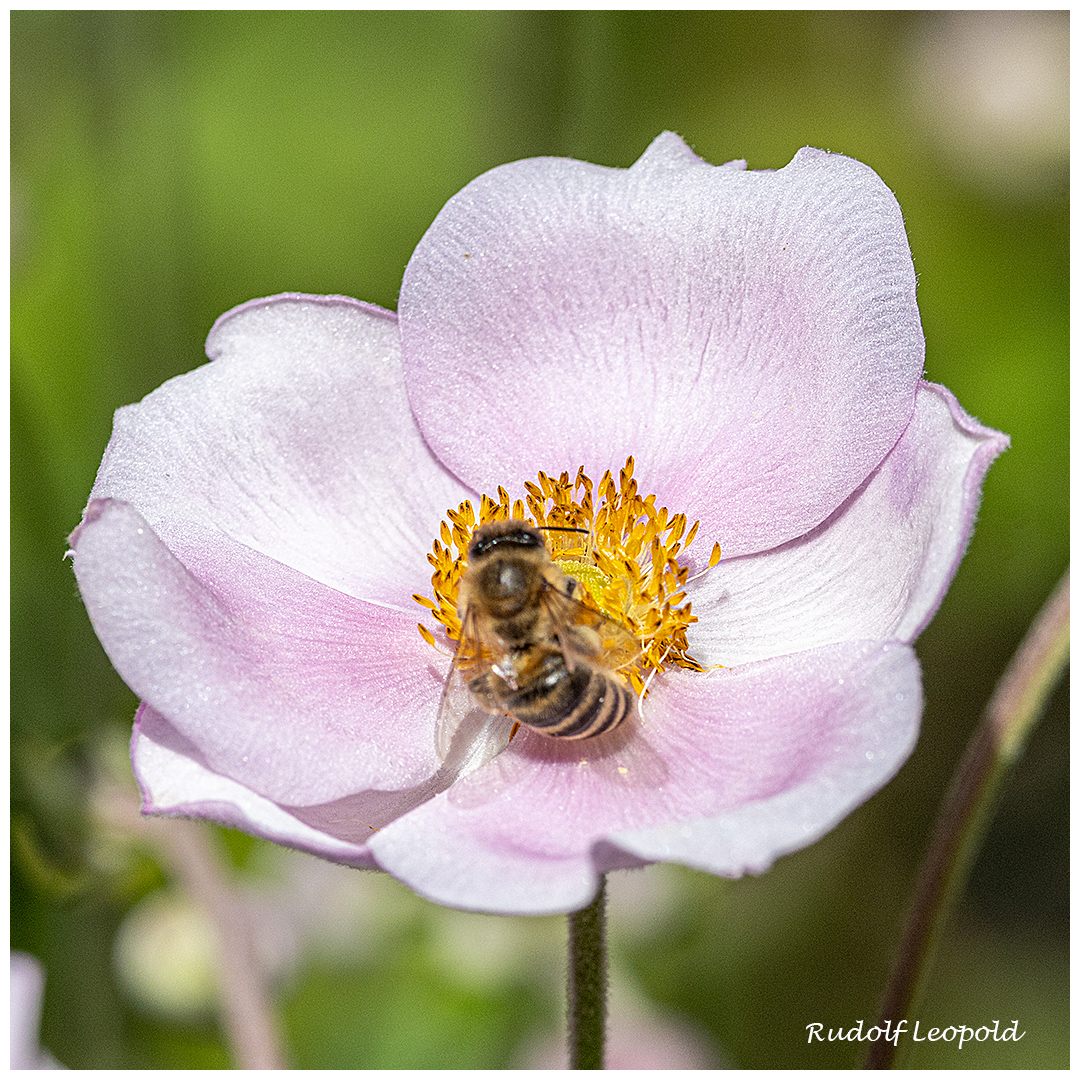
513,732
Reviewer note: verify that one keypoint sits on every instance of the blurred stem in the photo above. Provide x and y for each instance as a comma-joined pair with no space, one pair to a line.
188,853
586,989
245,1000
1009,718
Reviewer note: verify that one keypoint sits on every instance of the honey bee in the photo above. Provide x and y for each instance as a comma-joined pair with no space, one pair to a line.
530,650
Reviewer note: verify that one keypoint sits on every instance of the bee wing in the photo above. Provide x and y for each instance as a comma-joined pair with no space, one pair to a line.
467,735
585,633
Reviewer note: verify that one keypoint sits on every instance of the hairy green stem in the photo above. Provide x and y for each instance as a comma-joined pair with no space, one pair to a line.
1011,714
586,989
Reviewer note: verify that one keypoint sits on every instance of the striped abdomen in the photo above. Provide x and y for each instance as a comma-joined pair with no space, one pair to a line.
570,704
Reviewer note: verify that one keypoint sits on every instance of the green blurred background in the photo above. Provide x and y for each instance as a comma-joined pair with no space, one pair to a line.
167,166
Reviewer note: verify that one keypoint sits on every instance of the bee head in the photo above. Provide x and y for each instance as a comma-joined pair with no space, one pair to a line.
505,573
504,536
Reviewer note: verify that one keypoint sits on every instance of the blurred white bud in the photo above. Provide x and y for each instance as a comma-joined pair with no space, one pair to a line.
992,87
166,954
484,951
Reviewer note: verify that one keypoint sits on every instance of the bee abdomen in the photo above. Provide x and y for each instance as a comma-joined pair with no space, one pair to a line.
574,704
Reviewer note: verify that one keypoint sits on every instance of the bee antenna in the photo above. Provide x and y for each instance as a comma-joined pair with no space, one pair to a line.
560,528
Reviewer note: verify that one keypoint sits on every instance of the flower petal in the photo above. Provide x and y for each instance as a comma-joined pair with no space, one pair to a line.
298,692
174,781
868,719
751,338
25,999
789,745
878,568
296,441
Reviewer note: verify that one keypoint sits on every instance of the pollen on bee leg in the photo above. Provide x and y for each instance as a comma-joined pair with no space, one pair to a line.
623,550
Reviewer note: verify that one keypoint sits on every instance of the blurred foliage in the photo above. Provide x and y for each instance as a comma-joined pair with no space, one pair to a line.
167,166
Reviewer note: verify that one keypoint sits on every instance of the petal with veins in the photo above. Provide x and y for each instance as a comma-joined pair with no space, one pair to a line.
296,441
877,569
750,337
299,692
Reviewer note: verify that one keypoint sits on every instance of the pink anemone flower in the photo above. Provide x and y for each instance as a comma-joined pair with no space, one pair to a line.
260,525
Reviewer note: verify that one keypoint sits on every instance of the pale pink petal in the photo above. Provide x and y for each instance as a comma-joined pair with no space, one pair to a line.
868,727
174,778
878,568
296,441
781,749
27,993
175,781
751,338
299,692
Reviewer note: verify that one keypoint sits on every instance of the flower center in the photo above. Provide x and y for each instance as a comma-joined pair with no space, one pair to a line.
623,550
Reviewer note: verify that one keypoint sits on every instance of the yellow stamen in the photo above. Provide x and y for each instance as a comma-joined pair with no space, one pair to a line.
625,556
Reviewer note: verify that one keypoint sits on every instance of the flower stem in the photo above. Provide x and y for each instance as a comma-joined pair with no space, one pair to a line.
1009,718
187,852
586,989
246,1006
